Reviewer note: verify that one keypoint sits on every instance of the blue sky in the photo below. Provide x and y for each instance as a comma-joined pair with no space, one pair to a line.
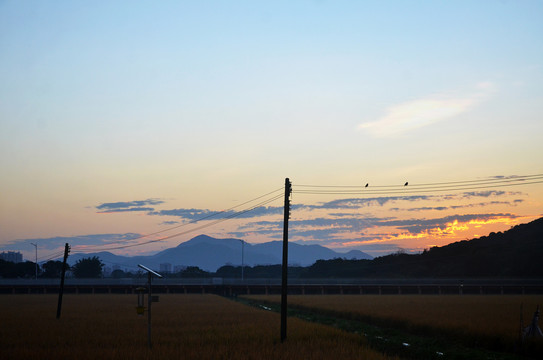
204,105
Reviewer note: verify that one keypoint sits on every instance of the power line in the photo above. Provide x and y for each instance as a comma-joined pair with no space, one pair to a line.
207,216
368,187
231,216
202,226
309,192
94,248
226,218
306,189
51,256
420,188
495,179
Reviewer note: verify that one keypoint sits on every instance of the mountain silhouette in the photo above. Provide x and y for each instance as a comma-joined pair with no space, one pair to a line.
210,253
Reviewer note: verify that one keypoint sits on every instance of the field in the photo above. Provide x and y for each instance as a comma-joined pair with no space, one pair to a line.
490,321
475,315
183,326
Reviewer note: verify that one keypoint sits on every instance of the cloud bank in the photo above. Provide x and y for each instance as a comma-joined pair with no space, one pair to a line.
127,206
341,223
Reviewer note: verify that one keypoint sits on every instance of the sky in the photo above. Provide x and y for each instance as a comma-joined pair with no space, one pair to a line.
128,125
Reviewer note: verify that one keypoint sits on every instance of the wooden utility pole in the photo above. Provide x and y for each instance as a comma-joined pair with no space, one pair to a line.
61,290
286,213
36,246
242,262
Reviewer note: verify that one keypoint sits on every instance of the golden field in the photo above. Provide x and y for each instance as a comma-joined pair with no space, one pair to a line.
183,326
487,315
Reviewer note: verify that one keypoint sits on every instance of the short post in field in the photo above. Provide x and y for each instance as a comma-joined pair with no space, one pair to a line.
140,309
150,274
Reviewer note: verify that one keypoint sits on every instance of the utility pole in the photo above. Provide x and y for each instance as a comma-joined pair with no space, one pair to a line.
286,214
36,246
61,290
242,262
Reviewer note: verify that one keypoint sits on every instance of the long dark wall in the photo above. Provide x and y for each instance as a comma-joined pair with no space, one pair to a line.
301,289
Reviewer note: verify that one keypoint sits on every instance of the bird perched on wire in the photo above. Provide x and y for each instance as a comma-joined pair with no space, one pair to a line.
406,183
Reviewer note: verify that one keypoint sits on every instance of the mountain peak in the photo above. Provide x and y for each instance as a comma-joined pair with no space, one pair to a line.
206,239
197,239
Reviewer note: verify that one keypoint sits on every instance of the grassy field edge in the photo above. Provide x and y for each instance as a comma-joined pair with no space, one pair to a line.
405,339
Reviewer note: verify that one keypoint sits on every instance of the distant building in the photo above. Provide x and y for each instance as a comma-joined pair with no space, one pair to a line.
13,256
166,268
106,271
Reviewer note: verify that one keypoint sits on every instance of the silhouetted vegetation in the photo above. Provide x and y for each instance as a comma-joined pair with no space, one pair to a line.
52,269
119,274
88,268
194,272
517,252
258,271
25,269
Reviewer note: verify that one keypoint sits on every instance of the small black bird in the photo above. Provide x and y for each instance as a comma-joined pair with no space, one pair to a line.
366,185
405,183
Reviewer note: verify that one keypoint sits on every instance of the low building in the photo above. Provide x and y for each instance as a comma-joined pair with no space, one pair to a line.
166,268
13,256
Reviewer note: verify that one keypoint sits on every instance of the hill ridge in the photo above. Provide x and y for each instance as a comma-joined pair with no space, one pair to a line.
517,252
209,253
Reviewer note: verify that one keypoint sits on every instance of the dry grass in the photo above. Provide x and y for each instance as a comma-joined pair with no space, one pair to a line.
184,326
494,316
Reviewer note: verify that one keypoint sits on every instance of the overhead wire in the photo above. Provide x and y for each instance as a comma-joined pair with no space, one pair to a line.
491,180
231,216
226,218
419,188
407,191
306,189
187,223
50,256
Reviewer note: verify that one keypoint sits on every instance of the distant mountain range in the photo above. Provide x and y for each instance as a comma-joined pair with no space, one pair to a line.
209,254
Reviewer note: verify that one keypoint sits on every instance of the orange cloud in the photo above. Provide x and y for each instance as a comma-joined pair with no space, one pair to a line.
450,231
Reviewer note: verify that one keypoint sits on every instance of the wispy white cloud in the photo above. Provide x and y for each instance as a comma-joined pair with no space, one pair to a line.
410,115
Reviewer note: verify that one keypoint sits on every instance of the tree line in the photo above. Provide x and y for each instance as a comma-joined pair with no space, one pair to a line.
84,268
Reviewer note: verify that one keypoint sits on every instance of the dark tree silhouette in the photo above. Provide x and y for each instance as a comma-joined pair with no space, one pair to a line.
52,269
194,272
119,274
25,269
88,268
